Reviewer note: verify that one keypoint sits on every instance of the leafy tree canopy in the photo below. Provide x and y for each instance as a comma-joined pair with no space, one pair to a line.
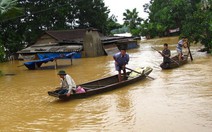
192,17
132,21
22,22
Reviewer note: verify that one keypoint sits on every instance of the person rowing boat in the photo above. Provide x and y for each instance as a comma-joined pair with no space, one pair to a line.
166,53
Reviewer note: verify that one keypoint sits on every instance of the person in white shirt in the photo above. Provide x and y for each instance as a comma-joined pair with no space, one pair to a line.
181,43
67,85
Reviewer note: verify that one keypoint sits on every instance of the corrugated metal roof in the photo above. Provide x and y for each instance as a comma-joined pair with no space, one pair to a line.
51,49
68,40
67,35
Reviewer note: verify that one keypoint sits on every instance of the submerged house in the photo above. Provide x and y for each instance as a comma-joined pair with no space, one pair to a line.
63,41
69,44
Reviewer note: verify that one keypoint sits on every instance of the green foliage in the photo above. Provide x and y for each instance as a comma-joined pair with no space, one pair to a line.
2,53
193,18
8,9
112,25
123,29
198,25
132,21
148,29
166,15
41,15
92,13
1,73
135,32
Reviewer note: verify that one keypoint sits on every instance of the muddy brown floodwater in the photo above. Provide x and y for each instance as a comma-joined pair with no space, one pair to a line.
178,100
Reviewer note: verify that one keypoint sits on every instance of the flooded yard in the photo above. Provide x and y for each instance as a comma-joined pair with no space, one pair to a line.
178,100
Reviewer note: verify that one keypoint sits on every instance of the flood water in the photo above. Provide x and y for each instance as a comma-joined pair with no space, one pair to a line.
178,100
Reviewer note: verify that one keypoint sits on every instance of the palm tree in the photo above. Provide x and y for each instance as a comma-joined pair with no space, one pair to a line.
131,19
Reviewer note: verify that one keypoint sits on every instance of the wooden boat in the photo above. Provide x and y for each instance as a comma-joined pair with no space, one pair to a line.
175,62
105,84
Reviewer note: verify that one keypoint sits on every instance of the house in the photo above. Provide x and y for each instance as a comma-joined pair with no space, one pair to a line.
58,44
59,41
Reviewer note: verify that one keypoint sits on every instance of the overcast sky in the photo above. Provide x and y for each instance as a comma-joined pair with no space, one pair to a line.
118,7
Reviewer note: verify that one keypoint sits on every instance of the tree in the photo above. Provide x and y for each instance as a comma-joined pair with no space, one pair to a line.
112,24
92,13
41,15
132,21
167,15
198,24
192,17
8,10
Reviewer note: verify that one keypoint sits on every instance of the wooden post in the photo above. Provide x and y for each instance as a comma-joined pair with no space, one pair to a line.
189,51
55,63
71,59
36,66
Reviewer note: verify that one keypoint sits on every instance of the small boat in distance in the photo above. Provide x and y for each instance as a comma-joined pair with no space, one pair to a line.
105,84
175,62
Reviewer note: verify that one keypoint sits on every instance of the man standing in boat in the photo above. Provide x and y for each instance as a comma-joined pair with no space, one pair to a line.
181,43
166,53
67,84
121,59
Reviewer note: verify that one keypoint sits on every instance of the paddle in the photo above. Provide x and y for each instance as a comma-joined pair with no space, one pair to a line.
167,57
93,85
140,73
9,74
189,51
20,65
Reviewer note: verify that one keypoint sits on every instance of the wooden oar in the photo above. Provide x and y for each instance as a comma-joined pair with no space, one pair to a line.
140,73
20,65
167,57
93,85
9,74
189,51
6,74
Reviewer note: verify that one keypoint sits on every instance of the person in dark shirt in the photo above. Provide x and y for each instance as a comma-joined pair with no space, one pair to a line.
166,53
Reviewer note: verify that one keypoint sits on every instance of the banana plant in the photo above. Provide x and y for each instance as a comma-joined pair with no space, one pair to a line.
9,9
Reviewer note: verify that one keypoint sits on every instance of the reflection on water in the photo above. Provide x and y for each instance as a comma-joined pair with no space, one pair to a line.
177,100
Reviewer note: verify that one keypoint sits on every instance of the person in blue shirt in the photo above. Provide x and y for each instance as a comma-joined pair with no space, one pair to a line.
181,43
121,59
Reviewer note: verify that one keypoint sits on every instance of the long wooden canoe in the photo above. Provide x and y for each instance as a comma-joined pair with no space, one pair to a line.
175,62
105,84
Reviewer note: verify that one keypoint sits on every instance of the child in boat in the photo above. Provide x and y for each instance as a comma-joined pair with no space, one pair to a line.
181,43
